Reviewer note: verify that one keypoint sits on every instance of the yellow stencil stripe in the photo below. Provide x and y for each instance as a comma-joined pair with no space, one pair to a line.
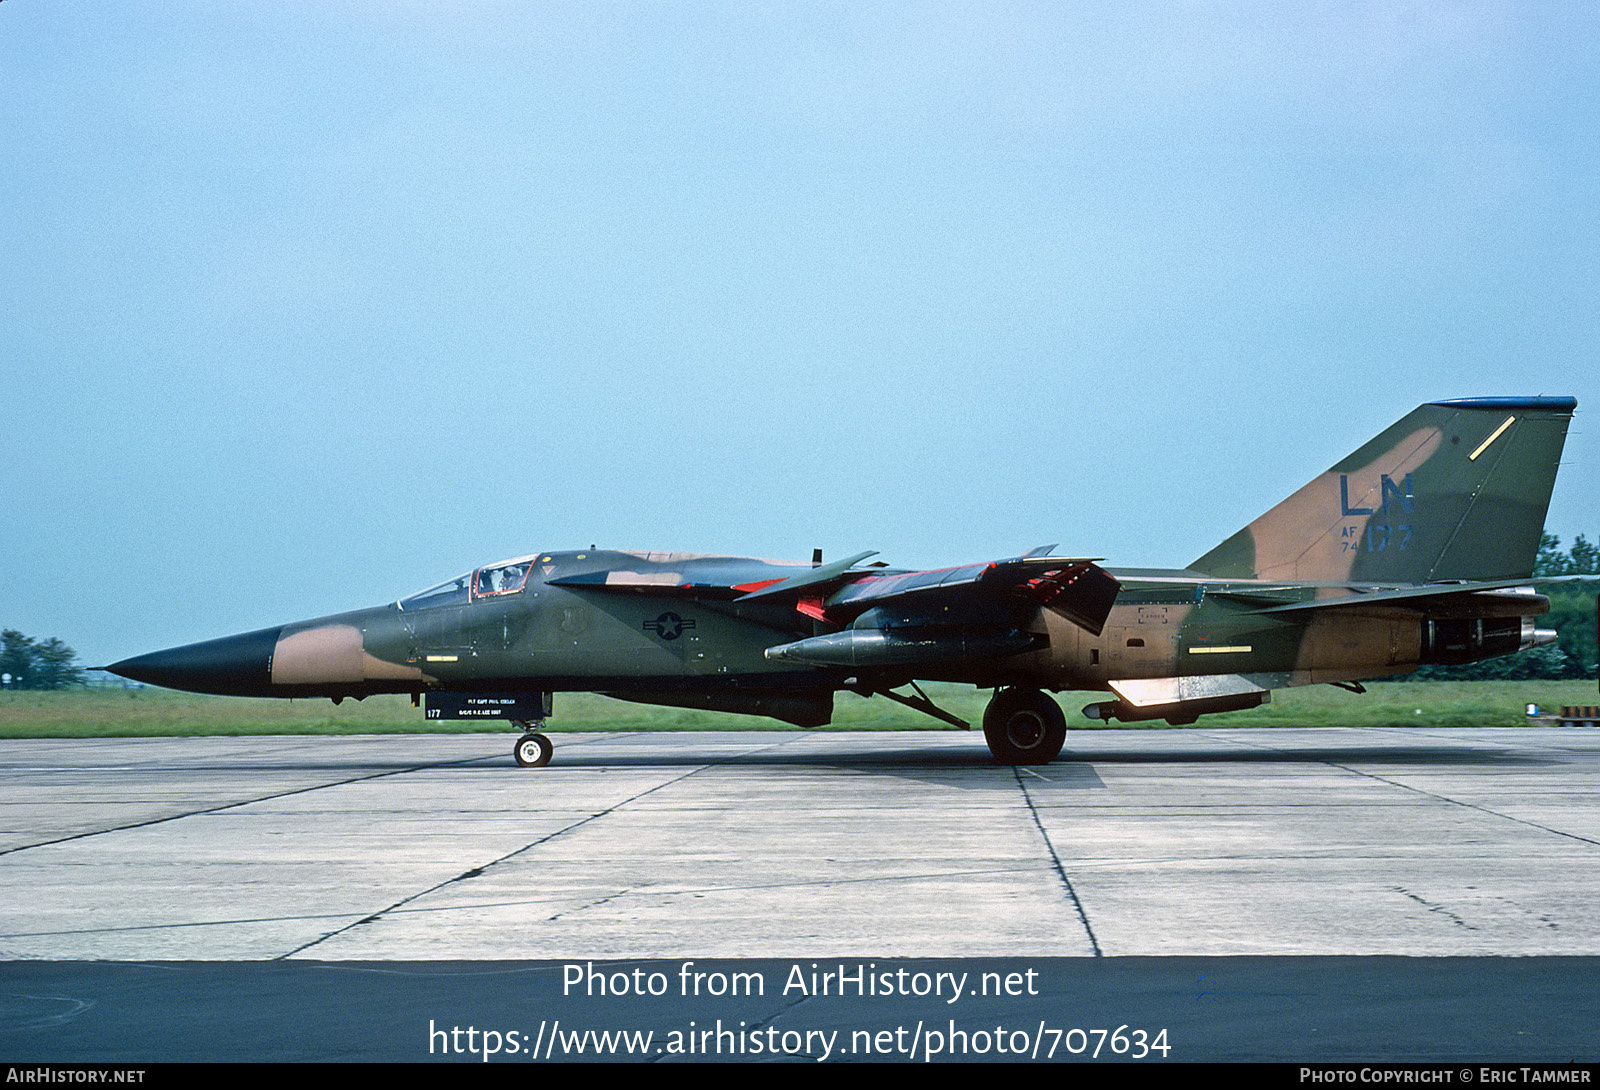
1483,446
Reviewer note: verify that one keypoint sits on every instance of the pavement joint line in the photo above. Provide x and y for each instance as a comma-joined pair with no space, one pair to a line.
309,742
171,926
1441,798
665,891
235,805
476,871
747,886
597,815
1469,806
1061,873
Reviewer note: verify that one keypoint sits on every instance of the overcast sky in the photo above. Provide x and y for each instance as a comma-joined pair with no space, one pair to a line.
308,305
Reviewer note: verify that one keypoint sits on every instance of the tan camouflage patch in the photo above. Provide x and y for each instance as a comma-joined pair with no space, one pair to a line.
1287,542
331,654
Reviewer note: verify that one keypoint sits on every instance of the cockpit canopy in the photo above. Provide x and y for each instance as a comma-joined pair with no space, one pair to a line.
505,577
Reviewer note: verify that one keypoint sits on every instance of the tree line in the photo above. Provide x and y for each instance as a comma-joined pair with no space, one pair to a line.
27,663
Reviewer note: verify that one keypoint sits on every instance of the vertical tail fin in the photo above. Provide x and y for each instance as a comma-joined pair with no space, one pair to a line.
1455,490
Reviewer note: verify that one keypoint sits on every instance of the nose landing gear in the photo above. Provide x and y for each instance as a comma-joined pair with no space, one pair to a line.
533,749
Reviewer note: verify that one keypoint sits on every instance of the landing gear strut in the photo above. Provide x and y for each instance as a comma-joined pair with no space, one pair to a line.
1024,727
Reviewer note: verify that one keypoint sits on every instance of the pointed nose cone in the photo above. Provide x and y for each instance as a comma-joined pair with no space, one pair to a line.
232,666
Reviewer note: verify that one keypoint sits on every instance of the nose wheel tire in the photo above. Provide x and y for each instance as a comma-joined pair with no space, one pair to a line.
1024,727
533,750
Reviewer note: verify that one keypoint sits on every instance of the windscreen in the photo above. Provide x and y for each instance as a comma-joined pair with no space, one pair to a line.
451,593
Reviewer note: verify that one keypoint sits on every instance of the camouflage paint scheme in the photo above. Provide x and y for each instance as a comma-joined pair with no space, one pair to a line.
1410,550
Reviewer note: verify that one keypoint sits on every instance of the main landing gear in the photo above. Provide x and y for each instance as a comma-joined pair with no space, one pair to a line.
533,749
1024,727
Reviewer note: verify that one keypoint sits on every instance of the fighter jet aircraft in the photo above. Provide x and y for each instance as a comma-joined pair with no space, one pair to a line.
1415,549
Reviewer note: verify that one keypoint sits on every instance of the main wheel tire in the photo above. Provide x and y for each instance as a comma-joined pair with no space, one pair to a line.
1024,727
533,750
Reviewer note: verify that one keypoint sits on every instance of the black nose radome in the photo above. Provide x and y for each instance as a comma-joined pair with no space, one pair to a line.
232,666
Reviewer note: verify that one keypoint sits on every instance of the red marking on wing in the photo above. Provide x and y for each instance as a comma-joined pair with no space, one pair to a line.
750,588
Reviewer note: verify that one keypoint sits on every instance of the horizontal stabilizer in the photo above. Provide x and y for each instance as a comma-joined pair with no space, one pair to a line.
1427,597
